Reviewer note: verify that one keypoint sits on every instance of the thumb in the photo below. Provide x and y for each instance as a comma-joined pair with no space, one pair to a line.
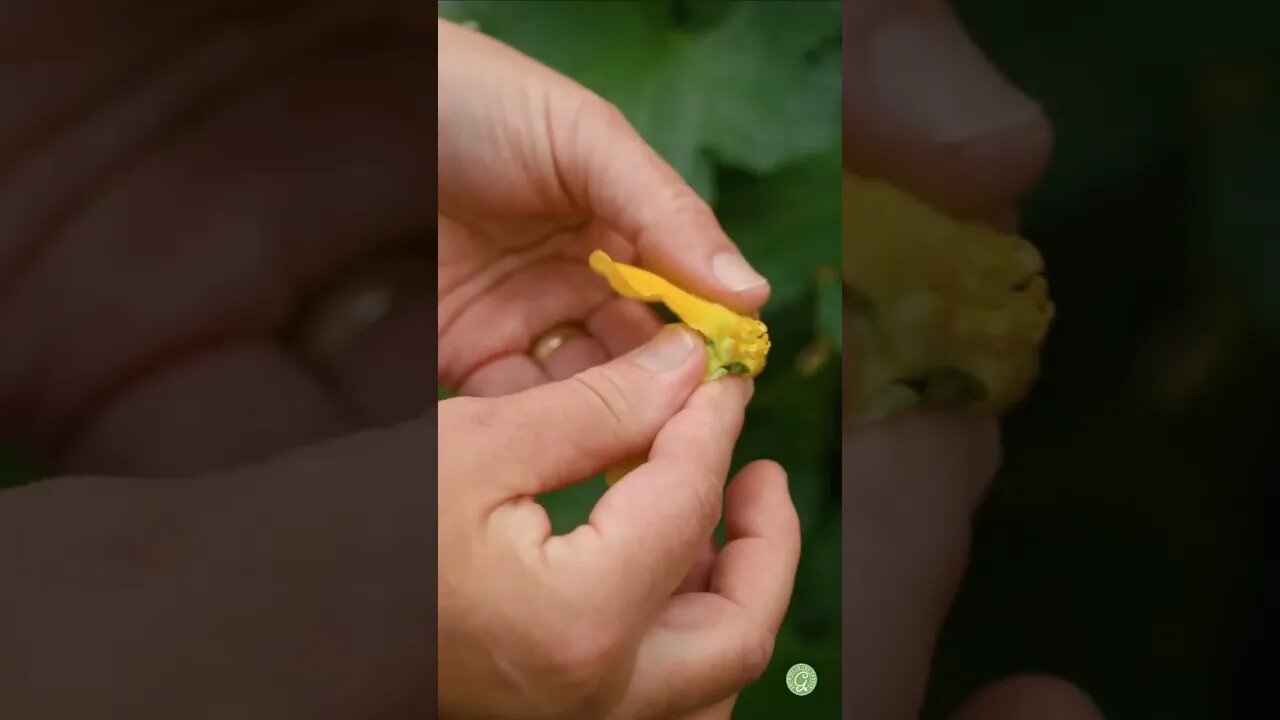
924,108
565,432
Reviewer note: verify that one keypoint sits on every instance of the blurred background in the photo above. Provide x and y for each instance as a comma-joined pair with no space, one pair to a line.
1123,543
744,100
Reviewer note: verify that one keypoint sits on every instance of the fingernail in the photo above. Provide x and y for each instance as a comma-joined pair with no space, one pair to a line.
749,392
935,79
733,270
667,351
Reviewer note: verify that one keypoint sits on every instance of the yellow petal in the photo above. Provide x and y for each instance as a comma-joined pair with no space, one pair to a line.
937,299
737,344
617,472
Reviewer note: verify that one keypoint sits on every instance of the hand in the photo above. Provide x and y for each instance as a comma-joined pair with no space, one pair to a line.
535,172
924,109
632,615
178,181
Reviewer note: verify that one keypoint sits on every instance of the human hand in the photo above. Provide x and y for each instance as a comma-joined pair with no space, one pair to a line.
536,172
924,109
633,614
178,180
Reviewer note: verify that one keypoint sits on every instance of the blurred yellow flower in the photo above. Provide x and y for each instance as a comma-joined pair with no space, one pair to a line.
940,311
736,344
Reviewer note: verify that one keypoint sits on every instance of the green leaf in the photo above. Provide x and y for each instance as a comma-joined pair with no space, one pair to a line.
788,224
701,14
817,605
794,420
768,698
758,88
571,506
767,102
830,310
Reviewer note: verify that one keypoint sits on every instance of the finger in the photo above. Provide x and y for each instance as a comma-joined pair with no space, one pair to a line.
565,432
722,710
511,315
622,325
213,231
910,486
707,646
613,173
227,406
378,371
699,577
506,375
1029,698
656,519
924,108
574,356
757,566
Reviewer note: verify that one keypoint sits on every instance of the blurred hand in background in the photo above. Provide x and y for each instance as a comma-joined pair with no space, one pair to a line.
925,109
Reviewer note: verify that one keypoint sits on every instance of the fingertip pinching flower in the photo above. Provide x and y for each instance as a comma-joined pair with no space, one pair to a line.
736,344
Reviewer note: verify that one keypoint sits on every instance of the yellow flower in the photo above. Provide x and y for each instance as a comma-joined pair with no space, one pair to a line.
940,311
736,344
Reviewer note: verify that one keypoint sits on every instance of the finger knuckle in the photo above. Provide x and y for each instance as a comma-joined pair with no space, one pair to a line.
676,205
708,500
753,655
609,396
610,114
683,204
686,203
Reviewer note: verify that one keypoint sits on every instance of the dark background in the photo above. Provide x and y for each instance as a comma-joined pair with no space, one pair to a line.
1123,543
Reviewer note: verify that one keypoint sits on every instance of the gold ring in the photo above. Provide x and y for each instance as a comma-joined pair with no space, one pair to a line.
553,339
354,302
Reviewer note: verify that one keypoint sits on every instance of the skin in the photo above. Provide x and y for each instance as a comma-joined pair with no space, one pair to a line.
911,485
229,529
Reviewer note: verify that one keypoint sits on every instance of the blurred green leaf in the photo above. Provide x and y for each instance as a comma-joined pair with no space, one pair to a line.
571,506
769,698
768,101
816,606
758,88
788,223
831,310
